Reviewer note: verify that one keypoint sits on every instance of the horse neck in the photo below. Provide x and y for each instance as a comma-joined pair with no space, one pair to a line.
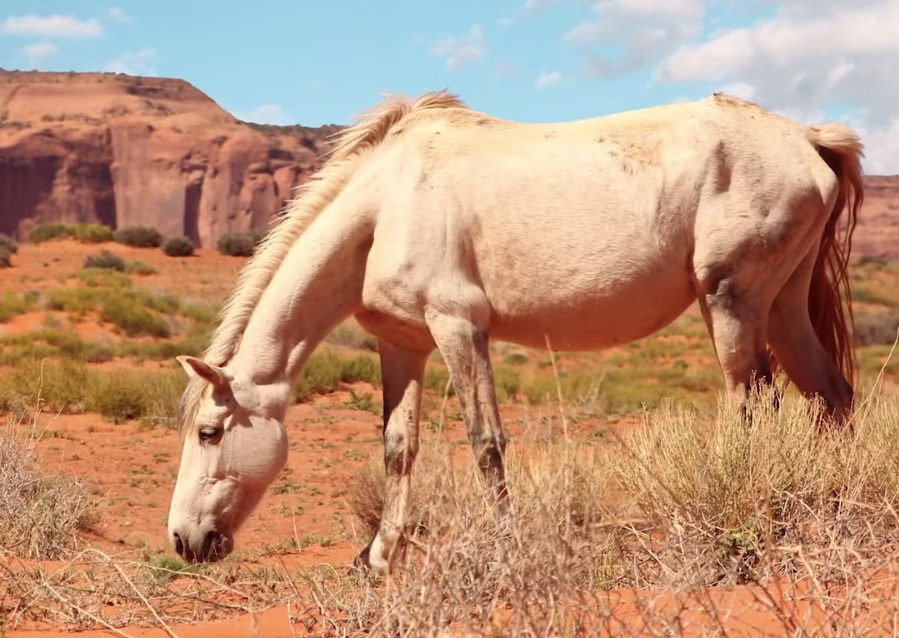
316,286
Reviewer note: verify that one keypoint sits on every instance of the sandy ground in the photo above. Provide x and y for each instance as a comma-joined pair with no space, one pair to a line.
132,470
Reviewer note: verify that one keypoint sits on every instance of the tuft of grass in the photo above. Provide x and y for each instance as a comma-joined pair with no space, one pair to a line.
326,370
12,305
138,267
723,494
92,233
105,259
69,386
53,230
40,512
134,312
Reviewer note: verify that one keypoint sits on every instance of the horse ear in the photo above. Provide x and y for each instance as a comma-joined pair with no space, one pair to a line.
213,375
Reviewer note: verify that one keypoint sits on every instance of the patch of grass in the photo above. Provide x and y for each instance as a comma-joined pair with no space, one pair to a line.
326,370
69,386
137,267
95,277
12,305
92,233
40,512
52,342
53,230
134,312
105,259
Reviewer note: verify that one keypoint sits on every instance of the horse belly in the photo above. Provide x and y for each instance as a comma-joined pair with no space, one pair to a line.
594,318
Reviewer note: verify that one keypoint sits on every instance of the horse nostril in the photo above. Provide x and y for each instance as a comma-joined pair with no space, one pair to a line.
179,544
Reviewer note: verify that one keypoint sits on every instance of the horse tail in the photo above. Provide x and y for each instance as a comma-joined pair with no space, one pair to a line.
830,301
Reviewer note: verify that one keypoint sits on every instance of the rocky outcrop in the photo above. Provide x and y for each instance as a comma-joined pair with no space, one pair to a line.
124,150
121,150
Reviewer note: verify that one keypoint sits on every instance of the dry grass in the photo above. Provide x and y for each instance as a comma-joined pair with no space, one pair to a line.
40,512
643,537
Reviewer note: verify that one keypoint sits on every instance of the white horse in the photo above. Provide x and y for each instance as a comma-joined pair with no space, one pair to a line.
439,226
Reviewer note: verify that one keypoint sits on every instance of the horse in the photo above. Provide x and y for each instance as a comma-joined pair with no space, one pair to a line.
438,226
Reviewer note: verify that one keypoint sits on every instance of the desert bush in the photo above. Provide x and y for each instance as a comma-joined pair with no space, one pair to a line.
69,386
239,244
326,370
94,277
92,233
105,259
139,268
40,512
138,236
5,257
722,494
126,395
353,337
9,244
53,230
134,312
178,247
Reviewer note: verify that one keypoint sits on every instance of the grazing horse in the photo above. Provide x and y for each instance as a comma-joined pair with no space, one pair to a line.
439,226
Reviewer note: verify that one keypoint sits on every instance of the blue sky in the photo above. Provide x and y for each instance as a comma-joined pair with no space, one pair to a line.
536,60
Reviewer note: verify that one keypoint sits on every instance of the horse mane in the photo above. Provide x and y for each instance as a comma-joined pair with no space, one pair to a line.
370,130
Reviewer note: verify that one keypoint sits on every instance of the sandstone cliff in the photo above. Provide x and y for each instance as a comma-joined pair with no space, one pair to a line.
121,150
124,150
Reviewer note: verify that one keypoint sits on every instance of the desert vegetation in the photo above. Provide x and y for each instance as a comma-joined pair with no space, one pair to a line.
644,505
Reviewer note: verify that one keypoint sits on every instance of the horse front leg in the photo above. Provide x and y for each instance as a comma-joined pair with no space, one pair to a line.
402,373
465,349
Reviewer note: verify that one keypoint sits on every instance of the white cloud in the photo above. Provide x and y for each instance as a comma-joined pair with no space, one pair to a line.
806,58
460,51
138,62
39,51
545,80
59,26
639,30
118,15
265,114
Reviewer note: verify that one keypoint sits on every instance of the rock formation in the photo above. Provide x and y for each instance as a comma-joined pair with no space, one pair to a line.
122,150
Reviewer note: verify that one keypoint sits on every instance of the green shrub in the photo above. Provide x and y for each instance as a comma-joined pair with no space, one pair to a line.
138,236
95,277
12,305
178,247
326,370
9,243
93,233
53,230
105,259
5,257
140,268
239,244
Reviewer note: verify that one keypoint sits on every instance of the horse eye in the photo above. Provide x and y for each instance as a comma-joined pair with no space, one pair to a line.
209,433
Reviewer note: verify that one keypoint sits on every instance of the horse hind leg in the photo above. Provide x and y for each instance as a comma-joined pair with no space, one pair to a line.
402,373
798,348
